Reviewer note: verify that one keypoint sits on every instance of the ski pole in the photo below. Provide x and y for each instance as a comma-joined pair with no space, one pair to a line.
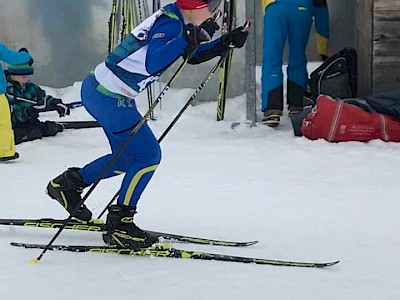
204,82
71,105
111,27
197,91
122,21
114,159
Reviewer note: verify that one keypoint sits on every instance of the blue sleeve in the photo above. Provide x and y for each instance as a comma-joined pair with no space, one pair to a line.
167,43
207,46
13,57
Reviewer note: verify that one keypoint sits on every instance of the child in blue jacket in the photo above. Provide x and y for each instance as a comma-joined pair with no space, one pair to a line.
108,94
7,145
27,100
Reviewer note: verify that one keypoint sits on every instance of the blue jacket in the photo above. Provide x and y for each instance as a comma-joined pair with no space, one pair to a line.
148,51
10,57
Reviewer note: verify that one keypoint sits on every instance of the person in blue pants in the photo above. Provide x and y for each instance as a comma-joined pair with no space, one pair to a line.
108,94
289,21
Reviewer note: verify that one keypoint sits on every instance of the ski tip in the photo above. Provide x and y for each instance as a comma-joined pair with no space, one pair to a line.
250,243
243,244
34,261
323,265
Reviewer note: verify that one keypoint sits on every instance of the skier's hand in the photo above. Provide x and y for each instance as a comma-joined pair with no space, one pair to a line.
236,38
204,32
197,34
62,109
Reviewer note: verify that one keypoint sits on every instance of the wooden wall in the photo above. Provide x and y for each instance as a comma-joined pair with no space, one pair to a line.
386,45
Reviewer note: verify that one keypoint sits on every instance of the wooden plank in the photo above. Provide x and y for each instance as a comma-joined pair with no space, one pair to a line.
386,4
386,10
387,29
386,39
386,76
386,48
386,45
387,14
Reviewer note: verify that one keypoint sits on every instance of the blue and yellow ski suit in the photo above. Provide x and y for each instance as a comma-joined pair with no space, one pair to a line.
108,95
289,20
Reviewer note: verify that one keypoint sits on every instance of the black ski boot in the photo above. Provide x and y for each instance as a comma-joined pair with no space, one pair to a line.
67,189
122,232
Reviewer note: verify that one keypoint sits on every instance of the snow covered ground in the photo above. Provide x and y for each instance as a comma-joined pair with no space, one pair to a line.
303,200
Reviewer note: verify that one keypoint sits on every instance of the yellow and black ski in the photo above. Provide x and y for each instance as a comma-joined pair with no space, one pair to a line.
97,225
165,250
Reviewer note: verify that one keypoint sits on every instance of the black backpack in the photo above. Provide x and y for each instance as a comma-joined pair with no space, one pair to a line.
336,77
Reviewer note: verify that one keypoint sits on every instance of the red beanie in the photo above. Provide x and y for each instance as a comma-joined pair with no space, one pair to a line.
192,4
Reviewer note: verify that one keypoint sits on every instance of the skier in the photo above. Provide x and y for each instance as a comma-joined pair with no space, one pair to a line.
108,94
7,145
289,20
27,100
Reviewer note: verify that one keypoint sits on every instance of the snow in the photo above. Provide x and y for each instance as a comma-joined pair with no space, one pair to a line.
303,200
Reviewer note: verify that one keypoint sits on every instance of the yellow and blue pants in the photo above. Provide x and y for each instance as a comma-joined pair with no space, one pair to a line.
7,144
118,116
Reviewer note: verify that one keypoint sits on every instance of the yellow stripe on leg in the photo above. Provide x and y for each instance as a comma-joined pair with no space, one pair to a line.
135,181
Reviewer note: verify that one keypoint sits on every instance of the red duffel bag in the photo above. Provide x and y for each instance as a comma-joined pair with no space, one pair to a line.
337,121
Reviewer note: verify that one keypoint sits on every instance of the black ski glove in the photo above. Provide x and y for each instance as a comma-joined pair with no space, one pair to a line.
62,109
196,35
236,38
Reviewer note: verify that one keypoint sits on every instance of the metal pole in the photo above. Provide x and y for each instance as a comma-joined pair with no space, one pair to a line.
250,69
